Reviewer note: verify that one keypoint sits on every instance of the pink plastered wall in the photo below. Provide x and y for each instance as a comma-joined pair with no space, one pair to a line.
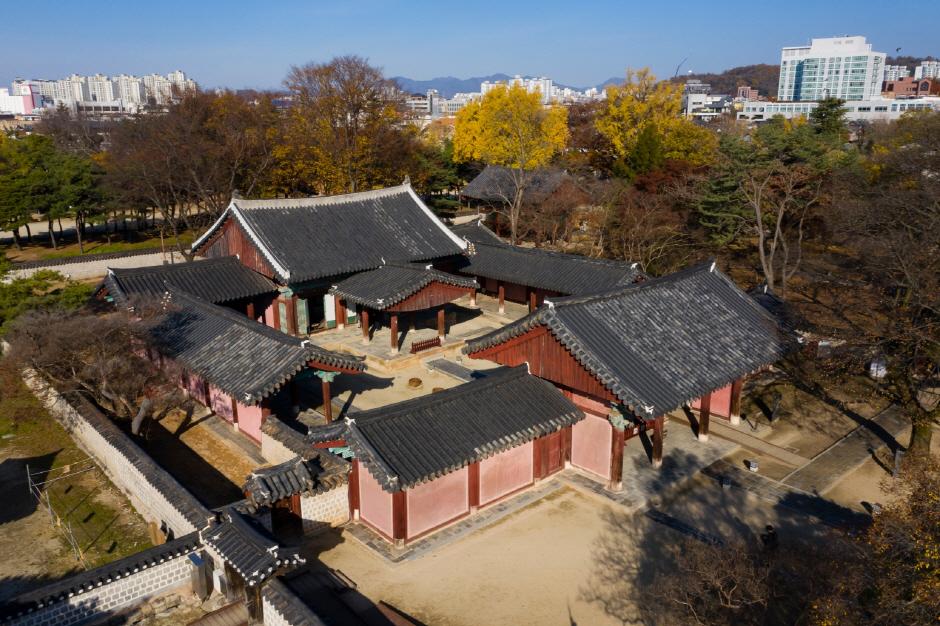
505,472
721,402
591,440
249,421
375,504
437,502
221,403
269,313
196,388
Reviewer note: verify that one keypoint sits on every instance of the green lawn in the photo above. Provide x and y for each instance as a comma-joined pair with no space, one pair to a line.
98,245
103,522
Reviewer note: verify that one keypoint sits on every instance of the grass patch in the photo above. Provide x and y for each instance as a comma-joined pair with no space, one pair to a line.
103,522
96,245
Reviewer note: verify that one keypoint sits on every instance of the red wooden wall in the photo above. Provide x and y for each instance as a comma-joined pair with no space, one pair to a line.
233,240
433,295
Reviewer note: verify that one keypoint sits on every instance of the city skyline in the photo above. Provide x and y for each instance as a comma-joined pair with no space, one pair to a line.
243,45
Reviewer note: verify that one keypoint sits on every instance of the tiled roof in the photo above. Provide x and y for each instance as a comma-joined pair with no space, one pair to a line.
85,581
242,357
569,274
215,280
390,284
495,184
320,473
309,238
289,605
660,344
411,442
246,547
475,231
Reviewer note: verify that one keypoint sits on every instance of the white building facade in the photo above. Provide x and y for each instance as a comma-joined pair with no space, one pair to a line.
927,69
833,67
875,109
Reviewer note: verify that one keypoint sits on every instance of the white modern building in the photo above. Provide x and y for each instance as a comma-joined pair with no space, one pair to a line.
927,69
832,67
895,72
874,109
100,88
23,99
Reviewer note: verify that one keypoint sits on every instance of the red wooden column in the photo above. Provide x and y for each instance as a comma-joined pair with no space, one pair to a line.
473,486
658,441
473,297
394,332
364,322
235,413
441,329
327,378
616,460
354,491
736,387
533,299
250,310
399,518
340,313
292,315
704,414
501,290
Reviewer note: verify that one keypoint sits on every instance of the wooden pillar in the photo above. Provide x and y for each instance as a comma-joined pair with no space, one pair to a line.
294,397
292,315
250,310
364,322
393,326
537,460
735,413
658,441
533,299
473,297
341,315
327,401
616,460
501,290
399,518
354,491
235,413
473,486
441,330
566,438
704,414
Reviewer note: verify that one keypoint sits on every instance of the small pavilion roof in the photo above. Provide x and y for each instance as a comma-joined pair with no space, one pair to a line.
322,472
388,285
247,548
660,344
215,280
475,231
415,441
495,185
240,356
568,274
310,238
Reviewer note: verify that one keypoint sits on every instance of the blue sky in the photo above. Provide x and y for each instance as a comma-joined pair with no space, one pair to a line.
252,44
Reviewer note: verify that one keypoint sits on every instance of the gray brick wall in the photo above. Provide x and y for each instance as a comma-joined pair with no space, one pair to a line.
325,510
156,495
112,597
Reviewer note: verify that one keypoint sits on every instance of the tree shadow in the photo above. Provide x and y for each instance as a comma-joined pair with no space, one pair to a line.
17,500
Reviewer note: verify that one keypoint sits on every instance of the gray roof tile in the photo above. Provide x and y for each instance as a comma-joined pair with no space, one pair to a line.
390,284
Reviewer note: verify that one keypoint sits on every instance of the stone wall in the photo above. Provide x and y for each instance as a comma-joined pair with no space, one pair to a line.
109,590
282,607
156,495
325,510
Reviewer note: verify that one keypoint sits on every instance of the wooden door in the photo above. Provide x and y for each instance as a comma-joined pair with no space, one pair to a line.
553,453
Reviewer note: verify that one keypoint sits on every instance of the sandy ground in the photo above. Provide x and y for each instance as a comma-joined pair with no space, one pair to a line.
533,566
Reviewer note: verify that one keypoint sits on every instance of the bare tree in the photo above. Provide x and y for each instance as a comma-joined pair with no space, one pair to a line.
103,358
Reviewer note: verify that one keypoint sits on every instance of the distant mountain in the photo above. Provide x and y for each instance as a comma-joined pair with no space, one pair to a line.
447,86
763,77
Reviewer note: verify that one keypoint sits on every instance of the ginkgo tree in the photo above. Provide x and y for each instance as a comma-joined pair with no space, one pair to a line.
510,127
643,117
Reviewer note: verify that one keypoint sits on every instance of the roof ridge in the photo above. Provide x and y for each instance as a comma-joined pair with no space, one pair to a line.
133,271
580,257
313,201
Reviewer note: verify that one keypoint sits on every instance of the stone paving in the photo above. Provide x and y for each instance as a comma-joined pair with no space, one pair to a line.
849,453
728,475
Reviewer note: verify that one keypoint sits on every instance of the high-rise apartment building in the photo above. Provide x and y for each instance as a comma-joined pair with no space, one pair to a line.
896,72
100,88
927,69
833,67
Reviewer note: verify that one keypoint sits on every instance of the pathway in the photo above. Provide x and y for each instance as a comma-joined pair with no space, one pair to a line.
848,453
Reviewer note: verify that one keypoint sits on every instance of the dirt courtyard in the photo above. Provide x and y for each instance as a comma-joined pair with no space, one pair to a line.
531,567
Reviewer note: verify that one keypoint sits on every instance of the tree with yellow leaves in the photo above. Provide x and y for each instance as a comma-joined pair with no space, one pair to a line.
644,116
511,128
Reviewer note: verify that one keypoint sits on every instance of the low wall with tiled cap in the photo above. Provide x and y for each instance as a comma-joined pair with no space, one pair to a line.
153,492
282,607
109,590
